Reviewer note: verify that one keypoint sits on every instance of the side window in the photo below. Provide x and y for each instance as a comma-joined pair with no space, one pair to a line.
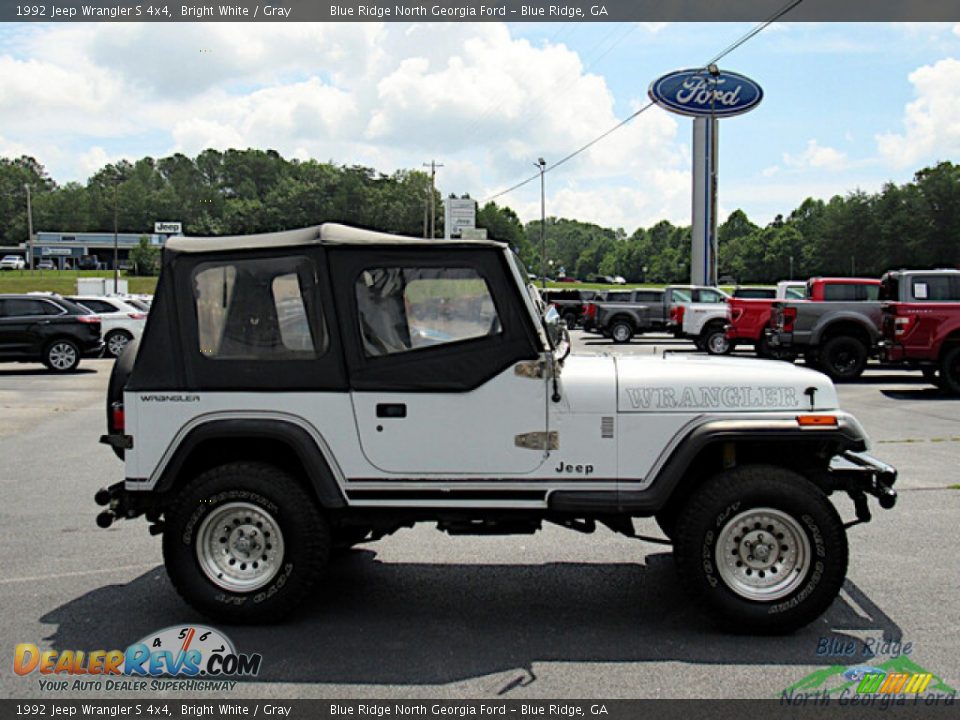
22,307
403,309
871,292
837,292
711,296
255,310
793,293
98,306
681,296
936,288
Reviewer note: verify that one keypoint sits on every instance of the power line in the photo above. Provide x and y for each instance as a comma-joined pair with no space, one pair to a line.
729,49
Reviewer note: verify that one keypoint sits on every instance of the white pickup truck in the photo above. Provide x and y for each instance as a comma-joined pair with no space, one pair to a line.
699,313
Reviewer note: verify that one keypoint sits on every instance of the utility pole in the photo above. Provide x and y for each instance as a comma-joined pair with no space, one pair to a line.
433,200
426,213
116,254
541,164
29,224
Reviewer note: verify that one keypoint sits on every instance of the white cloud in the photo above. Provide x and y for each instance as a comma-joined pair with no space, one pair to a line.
473,96
931,127
818,157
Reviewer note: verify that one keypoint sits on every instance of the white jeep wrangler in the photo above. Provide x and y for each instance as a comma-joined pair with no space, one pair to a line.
307,390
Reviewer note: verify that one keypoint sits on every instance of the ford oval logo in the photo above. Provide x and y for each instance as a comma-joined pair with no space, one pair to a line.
700,94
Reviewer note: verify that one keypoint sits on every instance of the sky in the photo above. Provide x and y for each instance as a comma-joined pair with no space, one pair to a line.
846,106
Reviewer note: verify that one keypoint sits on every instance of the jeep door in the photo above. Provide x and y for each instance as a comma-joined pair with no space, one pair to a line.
434,340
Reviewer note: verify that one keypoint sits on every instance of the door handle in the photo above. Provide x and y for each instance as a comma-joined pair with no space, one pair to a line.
391,410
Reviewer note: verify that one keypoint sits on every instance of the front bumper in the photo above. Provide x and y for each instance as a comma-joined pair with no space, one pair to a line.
860,474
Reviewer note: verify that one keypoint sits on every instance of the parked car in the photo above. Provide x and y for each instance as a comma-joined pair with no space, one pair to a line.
47,329
121,322
621,314
921,324
257,452
12,262
836,329
46,265
89,262
748,318
569,303
699,313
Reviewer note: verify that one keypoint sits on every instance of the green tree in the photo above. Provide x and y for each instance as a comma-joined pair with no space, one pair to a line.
145,258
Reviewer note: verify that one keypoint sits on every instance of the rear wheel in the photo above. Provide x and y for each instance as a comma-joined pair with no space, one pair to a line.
245,543
950,370
116,342
843,358
621,331
762,549
61,356
714,339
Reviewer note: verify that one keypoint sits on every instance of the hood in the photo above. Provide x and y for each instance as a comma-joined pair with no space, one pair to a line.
702,383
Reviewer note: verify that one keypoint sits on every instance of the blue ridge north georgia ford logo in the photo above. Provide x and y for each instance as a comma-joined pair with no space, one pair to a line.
699,93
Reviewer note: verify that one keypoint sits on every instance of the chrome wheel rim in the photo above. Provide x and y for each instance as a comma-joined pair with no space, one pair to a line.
239,547
62,356
621,333
762,554
117,343
718,343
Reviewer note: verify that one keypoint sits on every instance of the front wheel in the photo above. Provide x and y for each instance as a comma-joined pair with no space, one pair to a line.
714,339
245,543
762,549
61,356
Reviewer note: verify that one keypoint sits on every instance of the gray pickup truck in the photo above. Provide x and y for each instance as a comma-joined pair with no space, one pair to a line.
836,330
621,315
633,312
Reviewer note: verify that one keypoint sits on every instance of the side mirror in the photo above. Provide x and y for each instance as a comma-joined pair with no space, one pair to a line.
557,332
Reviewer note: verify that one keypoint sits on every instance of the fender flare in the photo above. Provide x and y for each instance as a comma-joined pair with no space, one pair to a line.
816,335
670,469
319,472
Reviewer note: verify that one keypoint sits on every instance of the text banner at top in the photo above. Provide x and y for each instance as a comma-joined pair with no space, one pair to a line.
477,11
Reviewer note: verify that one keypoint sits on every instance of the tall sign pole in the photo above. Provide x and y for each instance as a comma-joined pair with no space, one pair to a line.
29,225
706,95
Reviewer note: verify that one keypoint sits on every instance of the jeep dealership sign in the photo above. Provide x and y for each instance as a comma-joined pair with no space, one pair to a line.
699,93
168,228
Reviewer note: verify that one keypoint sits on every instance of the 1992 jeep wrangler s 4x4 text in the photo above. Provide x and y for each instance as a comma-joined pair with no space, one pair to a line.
312,389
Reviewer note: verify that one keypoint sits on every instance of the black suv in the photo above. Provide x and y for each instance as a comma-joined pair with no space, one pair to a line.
47,329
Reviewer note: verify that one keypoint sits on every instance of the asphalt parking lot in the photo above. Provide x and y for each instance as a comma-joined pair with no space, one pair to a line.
420,614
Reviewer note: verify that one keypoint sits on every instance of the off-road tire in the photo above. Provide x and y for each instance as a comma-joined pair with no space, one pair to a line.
621,331
714,339
116,342
704,521
61,355
843,358
950,370
305,534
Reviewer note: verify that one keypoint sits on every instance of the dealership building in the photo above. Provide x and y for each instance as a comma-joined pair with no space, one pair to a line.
66,249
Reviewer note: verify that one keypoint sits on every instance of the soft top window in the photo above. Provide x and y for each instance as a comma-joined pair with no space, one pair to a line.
254,310
406,309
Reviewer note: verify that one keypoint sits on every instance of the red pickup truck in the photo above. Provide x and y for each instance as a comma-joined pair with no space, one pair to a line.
747,319
921,326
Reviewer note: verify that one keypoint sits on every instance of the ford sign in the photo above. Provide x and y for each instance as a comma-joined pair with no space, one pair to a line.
700,94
